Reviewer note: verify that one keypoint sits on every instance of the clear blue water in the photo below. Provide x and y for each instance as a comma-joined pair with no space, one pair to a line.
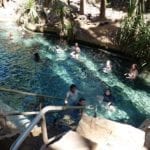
53,75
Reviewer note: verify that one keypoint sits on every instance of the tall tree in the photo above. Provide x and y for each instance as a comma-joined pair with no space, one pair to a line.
82,6
102,9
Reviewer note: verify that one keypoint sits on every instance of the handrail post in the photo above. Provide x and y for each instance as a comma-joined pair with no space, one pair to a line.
44,130
22,137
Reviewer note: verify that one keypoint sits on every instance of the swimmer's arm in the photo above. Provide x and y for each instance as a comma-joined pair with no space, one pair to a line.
126,74
131,76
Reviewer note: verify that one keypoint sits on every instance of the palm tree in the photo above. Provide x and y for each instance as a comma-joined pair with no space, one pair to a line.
103,9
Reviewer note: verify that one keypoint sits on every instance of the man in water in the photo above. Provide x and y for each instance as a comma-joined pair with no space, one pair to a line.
133,73
78,112
72,95
76,51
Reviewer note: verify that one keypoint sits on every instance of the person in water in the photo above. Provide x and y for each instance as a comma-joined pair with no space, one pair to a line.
10,36
72,95
133,72
78,112
108,67
107,97
76,51
36,57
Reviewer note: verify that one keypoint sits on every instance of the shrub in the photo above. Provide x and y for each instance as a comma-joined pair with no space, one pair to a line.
134,37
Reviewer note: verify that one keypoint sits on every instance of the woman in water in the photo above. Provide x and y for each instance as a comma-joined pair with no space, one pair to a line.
76,51
72,95
133,73
107,98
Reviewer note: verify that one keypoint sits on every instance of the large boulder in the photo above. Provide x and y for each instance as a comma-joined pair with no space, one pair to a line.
110,135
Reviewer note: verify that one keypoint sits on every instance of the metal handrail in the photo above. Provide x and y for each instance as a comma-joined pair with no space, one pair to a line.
28,93
39,116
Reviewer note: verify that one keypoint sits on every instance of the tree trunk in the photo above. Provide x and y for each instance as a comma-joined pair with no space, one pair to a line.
103,9
68,1
82,6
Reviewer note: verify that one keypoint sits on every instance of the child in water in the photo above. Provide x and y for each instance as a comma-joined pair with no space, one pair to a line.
108,67
76,51
133,72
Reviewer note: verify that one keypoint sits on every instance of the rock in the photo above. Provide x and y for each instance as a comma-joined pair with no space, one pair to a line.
146,127
71,141
110,135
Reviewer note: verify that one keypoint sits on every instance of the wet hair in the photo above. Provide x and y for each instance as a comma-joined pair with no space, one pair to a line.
72,86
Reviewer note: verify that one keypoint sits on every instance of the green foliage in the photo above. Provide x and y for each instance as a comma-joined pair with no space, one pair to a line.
62,10
30,8
136,7
29,4
134,37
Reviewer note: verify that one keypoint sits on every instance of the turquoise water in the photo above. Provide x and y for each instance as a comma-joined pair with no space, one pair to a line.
56,71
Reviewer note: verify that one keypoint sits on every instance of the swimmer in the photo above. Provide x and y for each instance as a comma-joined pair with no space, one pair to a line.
106,98
133,72
76,51
108,67
72,95
81,102
58,49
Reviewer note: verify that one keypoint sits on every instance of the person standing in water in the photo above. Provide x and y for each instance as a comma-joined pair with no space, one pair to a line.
133,72
72,95
76,51
108,67
107,99
77,113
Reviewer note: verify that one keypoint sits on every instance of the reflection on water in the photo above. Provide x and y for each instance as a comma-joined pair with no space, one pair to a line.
56,71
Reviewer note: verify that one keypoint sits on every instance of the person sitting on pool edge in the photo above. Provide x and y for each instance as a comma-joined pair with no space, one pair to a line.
133,73
76,51
107,97
108,67
72,95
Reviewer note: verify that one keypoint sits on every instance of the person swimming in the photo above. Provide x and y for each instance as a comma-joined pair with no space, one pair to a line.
36,56
107,98
133,72
72,95
108,67
76,51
